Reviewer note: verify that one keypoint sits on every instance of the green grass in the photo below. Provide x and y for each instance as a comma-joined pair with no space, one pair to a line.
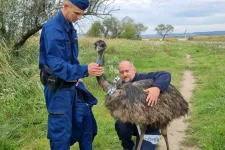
208,119
210,38
23,116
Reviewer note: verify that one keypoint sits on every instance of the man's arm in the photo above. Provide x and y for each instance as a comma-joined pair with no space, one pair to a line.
161,79
161,82
56,51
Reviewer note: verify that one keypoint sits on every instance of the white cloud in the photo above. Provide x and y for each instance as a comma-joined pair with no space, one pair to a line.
193,15
199,28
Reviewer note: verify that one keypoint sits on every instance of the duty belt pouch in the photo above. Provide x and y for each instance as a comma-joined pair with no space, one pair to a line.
43,77
53,83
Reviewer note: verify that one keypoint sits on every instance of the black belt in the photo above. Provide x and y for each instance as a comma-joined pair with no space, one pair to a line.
79,93
62,84
68,84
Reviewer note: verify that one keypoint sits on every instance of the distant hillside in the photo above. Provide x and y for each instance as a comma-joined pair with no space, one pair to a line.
180,35
210,33
176,35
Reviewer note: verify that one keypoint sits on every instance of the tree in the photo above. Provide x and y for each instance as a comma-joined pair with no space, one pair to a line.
111,27
164,30
131,30
127,21
2,27
20,19
128,32
139,29
95,30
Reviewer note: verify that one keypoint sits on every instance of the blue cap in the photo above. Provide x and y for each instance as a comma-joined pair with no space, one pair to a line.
82,4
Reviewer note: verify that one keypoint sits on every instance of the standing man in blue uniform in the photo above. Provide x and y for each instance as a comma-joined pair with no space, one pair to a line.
125,131
70,118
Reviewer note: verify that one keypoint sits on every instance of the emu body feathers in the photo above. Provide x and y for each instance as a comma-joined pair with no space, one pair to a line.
128,105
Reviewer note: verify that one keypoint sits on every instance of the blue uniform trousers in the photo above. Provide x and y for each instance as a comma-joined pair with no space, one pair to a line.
70,120
84,125
125,132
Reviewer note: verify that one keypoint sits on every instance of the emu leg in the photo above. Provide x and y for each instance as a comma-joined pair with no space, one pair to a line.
140,141
164,134
143,129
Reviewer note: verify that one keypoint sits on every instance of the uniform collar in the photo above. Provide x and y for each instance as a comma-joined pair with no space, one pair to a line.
67,25
135,77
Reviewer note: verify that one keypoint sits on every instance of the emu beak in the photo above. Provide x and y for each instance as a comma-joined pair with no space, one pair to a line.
97,48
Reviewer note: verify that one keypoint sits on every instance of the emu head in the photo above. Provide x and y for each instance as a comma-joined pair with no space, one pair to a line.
100,47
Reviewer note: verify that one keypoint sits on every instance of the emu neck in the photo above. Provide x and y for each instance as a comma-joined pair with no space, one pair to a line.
103,83
102,79
100,58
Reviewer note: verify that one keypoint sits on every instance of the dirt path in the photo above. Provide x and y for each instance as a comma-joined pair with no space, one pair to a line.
176,130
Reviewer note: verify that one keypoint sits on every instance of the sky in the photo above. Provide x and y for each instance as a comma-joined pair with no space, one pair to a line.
190,15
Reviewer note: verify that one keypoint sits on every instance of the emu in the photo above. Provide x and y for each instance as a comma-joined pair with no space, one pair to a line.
127,102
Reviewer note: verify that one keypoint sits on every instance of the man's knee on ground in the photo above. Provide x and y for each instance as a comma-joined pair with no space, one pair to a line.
123,129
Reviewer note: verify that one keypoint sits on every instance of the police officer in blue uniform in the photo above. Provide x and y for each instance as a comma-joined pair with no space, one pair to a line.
68,102
125,131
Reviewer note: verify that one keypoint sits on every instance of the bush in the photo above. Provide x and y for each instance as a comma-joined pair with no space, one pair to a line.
190,38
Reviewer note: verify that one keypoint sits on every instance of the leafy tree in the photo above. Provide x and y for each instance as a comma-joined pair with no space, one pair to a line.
130,29
95,30
20,19
2,27
139,29
111,27
127,21
128,32
164,30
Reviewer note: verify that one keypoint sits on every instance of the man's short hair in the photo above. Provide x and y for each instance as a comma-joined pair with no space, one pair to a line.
128,61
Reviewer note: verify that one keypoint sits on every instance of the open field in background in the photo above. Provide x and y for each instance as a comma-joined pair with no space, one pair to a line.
220,38
23,116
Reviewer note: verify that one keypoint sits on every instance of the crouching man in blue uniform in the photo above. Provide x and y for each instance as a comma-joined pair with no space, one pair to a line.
125,131
69,104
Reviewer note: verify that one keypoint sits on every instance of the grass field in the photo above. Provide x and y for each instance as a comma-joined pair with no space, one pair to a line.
216,38
22,108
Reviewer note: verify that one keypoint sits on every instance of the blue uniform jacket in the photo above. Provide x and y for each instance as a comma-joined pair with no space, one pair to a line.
88,97
59,51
